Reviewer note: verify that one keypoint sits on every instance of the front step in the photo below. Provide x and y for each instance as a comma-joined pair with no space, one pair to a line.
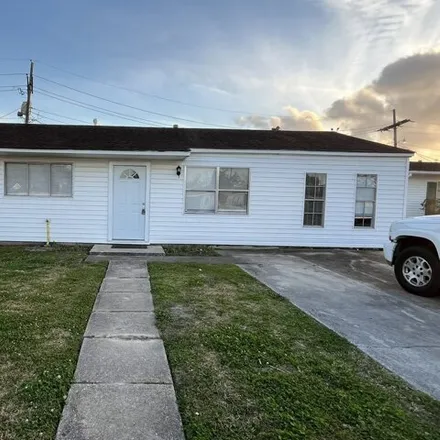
108,249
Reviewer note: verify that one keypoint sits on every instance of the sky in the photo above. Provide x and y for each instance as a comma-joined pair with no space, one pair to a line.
296,64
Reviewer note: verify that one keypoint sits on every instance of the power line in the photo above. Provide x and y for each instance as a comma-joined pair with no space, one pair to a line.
111,101
95,108
7,114
151,95
51,119
11,74
61,116
426,157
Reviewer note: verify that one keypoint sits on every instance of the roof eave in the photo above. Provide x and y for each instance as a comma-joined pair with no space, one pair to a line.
120,154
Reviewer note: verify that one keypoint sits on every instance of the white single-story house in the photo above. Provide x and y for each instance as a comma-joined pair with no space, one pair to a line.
135,185
423,189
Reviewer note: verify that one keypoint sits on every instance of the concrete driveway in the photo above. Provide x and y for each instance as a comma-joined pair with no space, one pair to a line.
355,294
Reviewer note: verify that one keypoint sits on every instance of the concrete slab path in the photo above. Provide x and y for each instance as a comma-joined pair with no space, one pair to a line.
122,389
397,329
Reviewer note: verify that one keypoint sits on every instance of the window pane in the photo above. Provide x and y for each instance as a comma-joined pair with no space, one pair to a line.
320,192
234,178
317,219
316,179
360,208
368,222
359,221
319,207
200,179
310,192
232,201
321,179
16,179
431,189
200,201
310,179
369,209
39,179
61,180
371,181
308,219
361,180
365,194
308,207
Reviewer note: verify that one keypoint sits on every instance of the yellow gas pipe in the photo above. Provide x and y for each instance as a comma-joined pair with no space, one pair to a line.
47,232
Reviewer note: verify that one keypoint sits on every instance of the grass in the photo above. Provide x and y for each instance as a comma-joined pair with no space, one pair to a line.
249,365
183,250
45,302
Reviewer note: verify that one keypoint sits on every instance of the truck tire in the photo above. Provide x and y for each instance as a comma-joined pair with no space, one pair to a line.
417,269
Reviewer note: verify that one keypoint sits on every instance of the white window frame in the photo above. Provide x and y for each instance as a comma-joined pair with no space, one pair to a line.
50,179
314,200
373,216
216,192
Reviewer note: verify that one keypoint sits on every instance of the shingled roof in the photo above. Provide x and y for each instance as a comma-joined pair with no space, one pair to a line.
425,166
111,138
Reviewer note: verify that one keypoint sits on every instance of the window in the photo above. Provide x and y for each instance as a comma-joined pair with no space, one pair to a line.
38,179
314,199
129,174
216,190
431,204
365,200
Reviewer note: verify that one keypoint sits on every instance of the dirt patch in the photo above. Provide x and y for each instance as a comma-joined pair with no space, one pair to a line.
220,289
57,337
181,312
17,306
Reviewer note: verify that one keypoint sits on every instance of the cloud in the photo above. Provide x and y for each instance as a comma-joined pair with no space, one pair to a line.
294,120
411,85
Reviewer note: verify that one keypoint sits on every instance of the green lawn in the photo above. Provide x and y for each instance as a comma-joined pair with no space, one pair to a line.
45,302
249,365
184,250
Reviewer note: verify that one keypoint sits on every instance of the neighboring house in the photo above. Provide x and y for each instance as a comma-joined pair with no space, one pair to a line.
236,187
423,189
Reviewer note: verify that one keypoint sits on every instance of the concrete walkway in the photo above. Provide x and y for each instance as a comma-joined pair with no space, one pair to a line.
122,387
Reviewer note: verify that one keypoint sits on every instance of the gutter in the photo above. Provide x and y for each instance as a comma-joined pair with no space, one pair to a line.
176,155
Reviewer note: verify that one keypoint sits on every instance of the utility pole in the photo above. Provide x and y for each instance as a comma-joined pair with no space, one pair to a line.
30,91
394,126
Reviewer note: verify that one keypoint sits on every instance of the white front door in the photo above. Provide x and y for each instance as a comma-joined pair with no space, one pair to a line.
129,210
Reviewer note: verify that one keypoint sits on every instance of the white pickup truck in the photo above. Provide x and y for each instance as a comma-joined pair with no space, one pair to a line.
414,250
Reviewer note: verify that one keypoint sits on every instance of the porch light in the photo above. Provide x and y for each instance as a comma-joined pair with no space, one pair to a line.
178,170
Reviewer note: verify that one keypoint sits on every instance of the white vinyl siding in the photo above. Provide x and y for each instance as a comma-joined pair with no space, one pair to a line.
276,201
275,206
417,186
81,218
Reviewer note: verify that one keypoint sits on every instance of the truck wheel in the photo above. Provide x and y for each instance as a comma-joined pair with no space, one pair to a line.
417,270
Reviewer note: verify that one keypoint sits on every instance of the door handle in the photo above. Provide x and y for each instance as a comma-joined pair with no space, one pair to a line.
143,211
